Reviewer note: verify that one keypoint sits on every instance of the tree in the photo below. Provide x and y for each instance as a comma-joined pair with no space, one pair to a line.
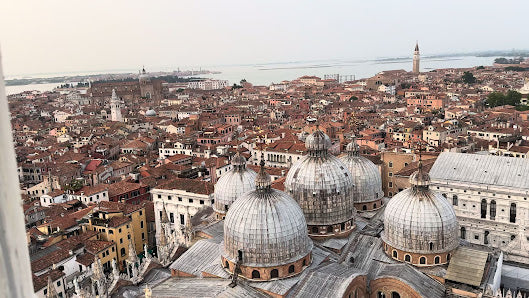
512,98
495,99
468,78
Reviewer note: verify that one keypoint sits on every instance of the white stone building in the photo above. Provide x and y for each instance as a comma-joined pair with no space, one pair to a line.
490,195
182,198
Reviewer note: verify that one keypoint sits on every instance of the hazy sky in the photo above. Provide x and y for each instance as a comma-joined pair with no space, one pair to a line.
69,36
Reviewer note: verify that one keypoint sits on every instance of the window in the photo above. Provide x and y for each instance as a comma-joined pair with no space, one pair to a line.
169,198
381,295
486,237
120,240
128,236
274,273
395,254
159,196
182,220
407,258
483,208
190,200
256,274
390,184
512,218
201,202
422,260
58,283
437,260
390,164
390,174
463,233
119,231
123,252
492,210
141,224
314,229
171,217
395,295
291,269
142,236
141,213
179,199
364,207
431,245
454,200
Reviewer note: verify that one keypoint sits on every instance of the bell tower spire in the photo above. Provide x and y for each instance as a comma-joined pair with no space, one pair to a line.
416,58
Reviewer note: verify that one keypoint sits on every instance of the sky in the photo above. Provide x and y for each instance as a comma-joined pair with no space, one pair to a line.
61,36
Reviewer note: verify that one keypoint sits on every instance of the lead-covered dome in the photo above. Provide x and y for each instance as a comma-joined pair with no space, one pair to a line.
267,228
367,192
421,222
322,186
233,184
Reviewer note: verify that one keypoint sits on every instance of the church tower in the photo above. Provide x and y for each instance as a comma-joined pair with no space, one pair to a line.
416,59
115,107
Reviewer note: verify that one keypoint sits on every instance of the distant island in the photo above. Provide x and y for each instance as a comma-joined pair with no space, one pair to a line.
171,77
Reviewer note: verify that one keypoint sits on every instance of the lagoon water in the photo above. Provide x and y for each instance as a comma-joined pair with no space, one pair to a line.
264,74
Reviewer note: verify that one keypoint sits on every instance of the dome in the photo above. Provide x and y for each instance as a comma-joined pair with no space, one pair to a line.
318,141
366,178
150,113
232,184
267,226
322,186
419,220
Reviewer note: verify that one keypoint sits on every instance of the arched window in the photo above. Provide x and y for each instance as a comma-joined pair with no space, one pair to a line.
291,269
342,226
304,263
274,273
395,254
437,260
422,260
375,206
364,207
431,245
407,258
513,213
454,200
314,230
395,295
483,208
123,251
492,210
256,274
381,294
486,238
463,233
227,265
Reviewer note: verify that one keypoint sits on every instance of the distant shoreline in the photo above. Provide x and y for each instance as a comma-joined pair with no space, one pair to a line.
101,75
